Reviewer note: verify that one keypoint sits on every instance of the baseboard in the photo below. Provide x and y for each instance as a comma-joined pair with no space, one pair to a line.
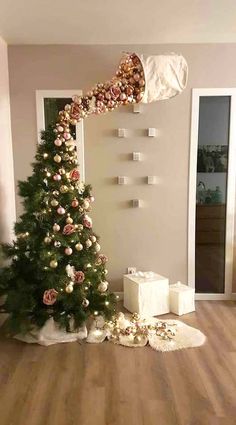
199,297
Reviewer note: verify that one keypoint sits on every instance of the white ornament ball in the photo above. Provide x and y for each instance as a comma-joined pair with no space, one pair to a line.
88,243
93,238
97,247
68,251
69,289
56,227
85,302
86,204
102,287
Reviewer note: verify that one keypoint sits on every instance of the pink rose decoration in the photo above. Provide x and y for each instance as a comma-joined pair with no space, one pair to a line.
103,258
115,92
74,174
87,222
68,229
78,277
50,296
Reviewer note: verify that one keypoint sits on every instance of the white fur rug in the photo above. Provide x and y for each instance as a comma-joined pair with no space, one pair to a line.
176,336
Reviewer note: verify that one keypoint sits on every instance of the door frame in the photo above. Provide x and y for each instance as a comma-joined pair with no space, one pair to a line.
230,206
40,96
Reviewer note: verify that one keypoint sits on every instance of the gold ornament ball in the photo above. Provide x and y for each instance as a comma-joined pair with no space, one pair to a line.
93,238
64,189
47,240
53,264
54,203
69,220
79,247
137,339
62,171
69,289
57,158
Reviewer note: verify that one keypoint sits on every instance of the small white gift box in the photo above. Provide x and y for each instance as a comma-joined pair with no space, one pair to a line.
181,299
146,293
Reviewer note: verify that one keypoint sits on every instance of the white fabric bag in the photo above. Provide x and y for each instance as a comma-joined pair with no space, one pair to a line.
165,76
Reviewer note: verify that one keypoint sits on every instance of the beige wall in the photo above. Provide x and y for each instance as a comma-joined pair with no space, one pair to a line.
7,193
154,237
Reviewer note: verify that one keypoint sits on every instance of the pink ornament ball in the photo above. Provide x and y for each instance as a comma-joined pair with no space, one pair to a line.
57,142
75,203
61,210
136,77
57,177
68,251
67,136
92,199
60,128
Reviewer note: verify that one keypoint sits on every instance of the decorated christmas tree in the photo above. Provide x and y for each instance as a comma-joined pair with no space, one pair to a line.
56,267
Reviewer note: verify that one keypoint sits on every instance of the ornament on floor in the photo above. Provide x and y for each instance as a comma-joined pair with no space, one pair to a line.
133,331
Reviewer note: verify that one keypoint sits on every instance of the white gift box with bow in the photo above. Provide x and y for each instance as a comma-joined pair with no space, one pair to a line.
181,299
146,293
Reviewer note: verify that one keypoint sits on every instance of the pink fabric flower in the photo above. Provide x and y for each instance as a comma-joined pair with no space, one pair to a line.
103,258
87,222
74,174
50,296
115,92
68,229
78,277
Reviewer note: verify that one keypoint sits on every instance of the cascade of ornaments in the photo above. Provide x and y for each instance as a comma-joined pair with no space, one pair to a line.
126,87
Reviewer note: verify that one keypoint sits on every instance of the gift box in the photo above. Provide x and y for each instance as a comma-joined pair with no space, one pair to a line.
146,293
181,299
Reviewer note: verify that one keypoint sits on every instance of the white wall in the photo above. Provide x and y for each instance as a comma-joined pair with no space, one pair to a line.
7,192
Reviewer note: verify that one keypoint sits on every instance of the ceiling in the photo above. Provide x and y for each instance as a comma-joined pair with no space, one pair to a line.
117,22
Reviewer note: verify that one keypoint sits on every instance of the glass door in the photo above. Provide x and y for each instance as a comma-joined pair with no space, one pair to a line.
212,191
48,104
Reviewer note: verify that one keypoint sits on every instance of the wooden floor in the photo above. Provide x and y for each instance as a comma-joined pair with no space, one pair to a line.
82,384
